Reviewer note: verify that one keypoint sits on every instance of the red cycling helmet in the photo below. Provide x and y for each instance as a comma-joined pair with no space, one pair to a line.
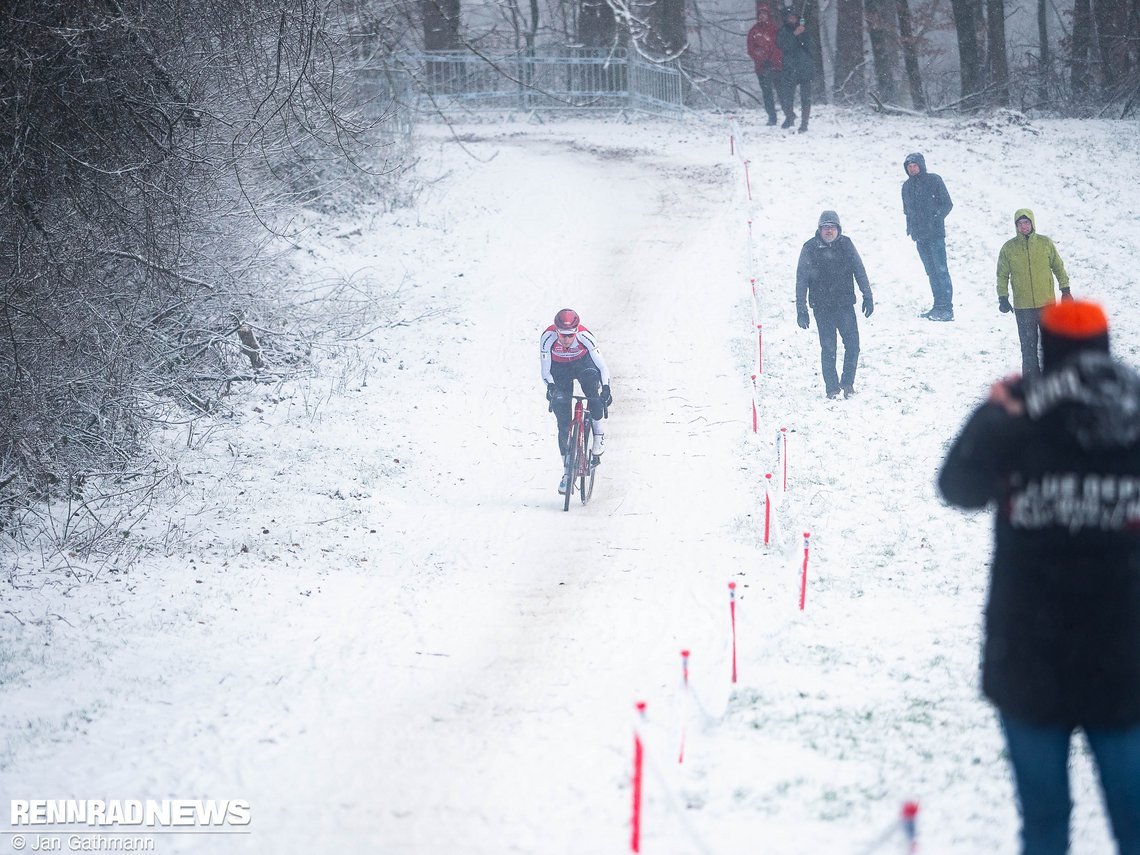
567,321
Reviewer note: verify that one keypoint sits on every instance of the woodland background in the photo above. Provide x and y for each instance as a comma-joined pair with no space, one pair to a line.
157,158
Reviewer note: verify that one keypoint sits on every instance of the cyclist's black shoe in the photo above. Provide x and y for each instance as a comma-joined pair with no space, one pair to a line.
849,391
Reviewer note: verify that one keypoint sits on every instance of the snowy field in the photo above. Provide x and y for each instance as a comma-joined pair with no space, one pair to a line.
364,611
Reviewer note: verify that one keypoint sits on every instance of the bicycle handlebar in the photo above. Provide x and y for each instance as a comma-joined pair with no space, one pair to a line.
605,409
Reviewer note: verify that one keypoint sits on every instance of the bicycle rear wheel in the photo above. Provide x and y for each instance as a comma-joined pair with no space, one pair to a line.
571,463
586,466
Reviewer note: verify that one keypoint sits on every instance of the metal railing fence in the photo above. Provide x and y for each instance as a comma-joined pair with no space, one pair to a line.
567,79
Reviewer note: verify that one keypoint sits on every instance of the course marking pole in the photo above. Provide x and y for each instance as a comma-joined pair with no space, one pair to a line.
684,701
767,507
747,181
755,417
803,576
638,768
759,348
909,814
784,456
732,617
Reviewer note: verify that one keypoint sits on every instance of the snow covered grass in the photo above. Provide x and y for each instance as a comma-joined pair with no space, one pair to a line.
363,609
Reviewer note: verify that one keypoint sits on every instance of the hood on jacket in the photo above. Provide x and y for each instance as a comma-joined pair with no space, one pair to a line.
1024,212
915,157
1092,397
828,217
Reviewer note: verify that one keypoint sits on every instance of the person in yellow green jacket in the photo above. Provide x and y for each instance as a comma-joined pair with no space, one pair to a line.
1026,266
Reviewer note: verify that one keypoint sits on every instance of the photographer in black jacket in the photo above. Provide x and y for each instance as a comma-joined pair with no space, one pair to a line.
1059,456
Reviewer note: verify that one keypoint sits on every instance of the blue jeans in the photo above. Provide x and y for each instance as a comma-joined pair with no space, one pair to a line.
1040,759
932,251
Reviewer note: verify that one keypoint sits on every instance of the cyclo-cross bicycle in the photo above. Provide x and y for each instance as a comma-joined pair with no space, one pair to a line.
581,462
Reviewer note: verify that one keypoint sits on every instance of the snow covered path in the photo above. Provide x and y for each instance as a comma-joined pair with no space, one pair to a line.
374,621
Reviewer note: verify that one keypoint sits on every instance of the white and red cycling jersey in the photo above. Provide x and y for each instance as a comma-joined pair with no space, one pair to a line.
584,345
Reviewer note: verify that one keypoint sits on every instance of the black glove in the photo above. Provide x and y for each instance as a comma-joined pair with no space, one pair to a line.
1066,295
868,305
607,398
1003,305
802,317
550,391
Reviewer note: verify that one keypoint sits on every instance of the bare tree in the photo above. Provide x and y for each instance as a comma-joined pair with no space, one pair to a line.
966,28
909,43
850,64
1080,48
146,149
996,54
883,31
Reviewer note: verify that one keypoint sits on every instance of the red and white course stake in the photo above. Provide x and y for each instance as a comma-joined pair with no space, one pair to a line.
638,768
732,617
767,507
803,576
684,701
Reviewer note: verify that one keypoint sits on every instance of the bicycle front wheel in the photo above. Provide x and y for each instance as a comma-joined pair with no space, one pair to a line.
586,466
571,463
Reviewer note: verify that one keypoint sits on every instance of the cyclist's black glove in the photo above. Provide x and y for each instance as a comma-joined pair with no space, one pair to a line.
1003,305
802,317
550,391
607,398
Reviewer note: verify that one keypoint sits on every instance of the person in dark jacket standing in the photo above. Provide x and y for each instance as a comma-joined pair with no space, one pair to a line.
926,204
799,67
828,270
767,59
1026,266
1059,456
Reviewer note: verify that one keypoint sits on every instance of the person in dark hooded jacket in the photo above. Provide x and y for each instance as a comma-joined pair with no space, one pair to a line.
829,265
1059,456
926,204
798,51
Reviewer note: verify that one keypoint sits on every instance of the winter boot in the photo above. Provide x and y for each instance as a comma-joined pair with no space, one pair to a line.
564,484
789,121
804,116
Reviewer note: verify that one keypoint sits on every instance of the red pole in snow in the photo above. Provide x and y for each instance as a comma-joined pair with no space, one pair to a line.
909,813
731,145
732,616
685,681
638,762
784,456
803,577
755,423
767,507
759,348
747,182
753,281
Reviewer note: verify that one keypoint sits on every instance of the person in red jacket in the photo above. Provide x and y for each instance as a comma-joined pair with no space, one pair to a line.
767,58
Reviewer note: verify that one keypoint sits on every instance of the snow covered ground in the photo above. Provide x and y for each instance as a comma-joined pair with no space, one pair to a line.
364,611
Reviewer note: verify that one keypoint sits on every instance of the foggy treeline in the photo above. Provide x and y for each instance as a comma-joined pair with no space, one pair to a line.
925,55
152,150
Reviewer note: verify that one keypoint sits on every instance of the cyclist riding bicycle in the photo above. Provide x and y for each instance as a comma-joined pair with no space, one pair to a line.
568,352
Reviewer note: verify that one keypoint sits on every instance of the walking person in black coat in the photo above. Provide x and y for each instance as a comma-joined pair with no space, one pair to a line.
799,67
1059,456
926,203
828,270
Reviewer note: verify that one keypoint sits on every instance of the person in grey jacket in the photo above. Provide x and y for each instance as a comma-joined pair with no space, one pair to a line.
828,270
